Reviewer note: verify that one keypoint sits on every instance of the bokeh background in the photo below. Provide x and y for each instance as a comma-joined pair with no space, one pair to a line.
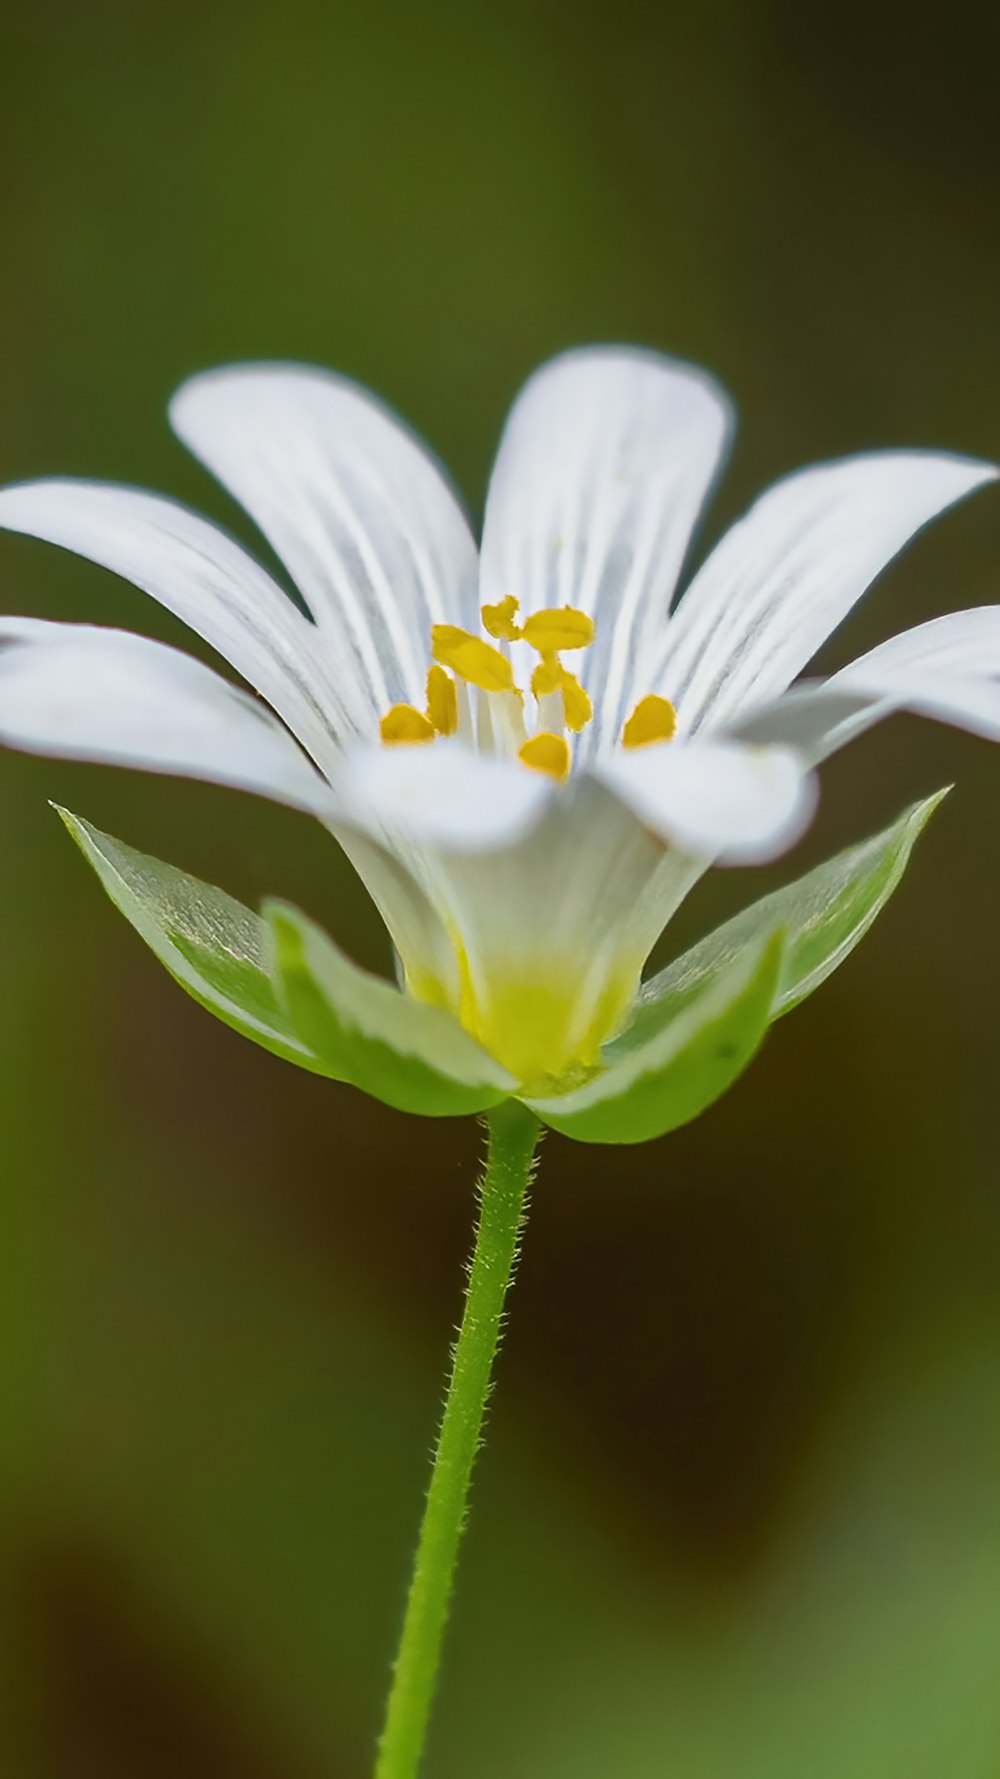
740,1511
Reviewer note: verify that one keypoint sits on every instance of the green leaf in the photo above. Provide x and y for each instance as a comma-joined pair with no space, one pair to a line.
823,916
413,1056
684,1066
214,947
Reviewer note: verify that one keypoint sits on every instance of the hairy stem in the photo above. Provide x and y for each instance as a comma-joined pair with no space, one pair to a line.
513,1136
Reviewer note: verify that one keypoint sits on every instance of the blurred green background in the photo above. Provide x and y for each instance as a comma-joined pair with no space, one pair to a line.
740,1512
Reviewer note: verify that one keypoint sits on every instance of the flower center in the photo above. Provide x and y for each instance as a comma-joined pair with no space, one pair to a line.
472,692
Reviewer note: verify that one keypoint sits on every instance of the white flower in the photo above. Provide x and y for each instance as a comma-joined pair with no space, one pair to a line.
526,823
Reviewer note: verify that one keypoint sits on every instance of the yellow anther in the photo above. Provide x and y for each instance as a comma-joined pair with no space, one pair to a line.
546,753
404,723
653,719
471,658
551,676
547,677
498,620
576,703
442,701
560,627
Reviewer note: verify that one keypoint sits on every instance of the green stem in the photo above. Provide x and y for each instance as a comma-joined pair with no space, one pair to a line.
513,1135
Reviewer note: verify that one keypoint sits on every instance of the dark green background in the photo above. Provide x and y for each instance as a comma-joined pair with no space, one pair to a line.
740,1515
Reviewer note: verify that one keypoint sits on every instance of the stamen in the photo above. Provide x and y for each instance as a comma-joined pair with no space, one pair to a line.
507,719
551,676
653,719
442,701
547,676
471,658
559,627
547,753
576,702
404,723
498,620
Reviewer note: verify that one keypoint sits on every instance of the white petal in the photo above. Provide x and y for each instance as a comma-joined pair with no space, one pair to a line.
555,895
818,719
564,888
424,947
358,511
812,719
200,575
939,669
552,950
88,694
716,800
442,794
972,704
604,466
784,577
959,643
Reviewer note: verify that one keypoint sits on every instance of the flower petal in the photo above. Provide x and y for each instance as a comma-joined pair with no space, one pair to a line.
972,704
818,720
948,668
425,952
964,644
555,928
358,511
787,574
89,694
604,466
442,795
812,720
200,575
938,669
716,800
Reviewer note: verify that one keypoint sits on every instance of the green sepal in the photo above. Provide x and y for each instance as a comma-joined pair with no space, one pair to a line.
682,1067
408,1054
214,947
823,915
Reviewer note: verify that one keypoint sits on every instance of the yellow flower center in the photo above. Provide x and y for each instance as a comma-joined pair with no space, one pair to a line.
464,663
